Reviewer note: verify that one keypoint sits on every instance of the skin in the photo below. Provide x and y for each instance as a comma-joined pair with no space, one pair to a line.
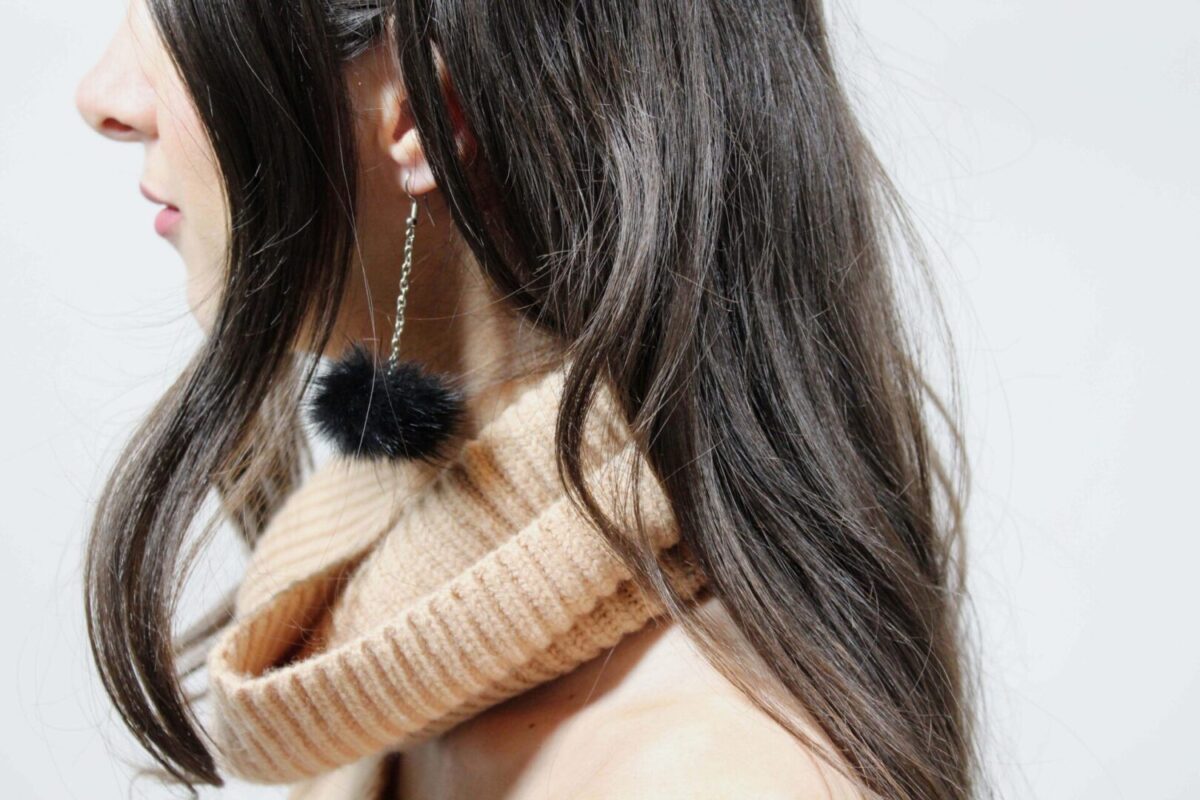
648,718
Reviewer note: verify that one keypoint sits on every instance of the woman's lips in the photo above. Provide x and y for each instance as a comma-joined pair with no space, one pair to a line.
166,220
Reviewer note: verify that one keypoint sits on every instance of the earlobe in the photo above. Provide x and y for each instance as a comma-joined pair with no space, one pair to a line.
409,155
414,167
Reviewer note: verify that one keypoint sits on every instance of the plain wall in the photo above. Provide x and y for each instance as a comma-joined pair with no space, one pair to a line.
1048,150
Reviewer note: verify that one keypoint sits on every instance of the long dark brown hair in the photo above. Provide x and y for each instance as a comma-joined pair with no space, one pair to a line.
679,192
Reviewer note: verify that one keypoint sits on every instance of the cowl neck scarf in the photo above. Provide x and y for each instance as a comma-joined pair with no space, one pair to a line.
386,603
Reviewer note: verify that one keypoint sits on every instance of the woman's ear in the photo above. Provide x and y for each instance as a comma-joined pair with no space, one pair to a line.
406,149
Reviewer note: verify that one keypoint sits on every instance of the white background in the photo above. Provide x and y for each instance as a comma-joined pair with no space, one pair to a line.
1048,150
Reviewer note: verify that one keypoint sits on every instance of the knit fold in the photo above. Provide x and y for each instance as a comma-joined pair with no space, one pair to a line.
386,604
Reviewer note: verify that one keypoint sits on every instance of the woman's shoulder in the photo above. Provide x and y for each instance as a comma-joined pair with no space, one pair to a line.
702,748
651,718
678,728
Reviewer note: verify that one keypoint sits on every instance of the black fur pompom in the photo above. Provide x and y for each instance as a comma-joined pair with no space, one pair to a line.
366,411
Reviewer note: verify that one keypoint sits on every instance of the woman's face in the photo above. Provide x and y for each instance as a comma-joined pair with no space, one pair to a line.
133,94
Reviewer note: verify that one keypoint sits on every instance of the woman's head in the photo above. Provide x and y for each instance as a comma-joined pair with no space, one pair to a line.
674,192
134,93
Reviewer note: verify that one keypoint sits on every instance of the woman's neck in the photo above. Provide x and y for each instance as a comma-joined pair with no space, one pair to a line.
458,324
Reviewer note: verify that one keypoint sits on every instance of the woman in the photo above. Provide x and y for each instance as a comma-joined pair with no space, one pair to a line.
653,243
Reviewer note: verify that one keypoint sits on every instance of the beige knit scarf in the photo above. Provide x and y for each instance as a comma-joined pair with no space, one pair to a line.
386,603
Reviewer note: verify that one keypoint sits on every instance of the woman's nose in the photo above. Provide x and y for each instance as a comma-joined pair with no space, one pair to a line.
116,97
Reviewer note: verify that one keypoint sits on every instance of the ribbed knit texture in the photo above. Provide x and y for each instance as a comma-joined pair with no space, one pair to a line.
387,603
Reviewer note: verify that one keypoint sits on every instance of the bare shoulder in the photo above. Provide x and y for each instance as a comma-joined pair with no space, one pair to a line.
650,718
707,748
671,726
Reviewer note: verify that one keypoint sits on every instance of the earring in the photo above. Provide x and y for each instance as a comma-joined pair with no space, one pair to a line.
395,410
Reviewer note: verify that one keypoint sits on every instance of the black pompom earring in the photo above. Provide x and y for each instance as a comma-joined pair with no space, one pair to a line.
395,410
